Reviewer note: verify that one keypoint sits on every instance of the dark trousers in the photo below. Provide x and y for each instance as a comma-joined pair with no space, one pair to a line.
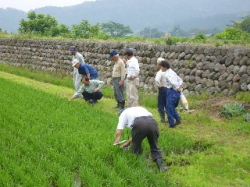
162,100
143,127
94,96
118,90
173,98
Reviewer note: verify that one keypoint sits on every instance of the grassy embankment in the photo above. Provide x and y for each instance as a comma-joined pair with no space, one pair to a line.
47,140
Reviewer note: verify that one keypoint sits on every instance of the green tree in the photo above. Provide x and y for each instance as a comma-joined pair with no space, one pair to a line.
61,30
116,29
38,24
177,31
232,33
151,33
244,24
85,30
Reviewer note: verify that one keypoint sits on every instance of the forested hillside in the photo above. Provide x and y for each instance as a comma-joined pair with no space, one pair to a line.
139,14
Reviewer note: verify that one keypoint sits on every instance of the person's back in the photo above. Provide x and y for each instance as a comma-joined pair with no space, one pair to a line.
88,69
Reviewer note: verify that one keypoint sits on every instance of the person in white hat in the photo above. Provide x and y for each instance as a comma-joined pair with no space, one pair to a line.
160,82
85,70
76,76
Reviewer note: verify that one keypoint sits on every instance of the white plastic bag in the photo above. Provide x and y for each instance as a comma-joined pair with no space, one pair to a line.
184,102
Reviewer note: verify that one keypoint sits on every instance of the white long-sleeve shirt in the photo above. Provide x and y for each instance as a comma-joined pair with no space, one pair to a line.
172,79
160,79
133,68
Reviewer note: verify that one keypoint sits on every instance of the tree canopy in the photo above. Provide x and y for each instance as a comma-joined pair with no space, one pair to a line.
116,29
38,23
244,24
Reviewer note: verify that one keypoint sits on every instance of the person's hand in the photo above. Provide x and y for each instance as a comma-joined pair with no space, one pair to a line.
125,144
180,89
120,83
132,78
125,60
96,90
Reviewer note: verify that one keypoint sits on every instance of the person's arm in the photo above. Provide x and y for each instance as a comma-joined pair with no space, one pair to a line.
127,143
117,136
176,82
99,86
158,79
86,70
81,59
123,73
88,75
78,93
133,69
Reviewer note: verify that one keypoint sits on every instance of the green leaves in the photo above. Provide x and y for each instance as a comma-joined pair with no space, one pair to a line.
230,110
39,24
116,29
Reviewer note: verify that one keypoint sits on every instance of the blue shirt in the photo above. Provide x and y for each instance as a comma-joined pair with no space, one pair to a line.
87,69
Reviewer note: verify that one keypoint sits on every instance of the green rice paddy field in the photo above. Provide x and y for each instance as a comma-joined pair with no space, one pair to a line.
47,140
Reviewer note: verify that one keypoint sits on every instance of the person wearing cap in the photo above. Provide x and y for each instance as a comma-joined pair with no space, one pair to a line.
142,125
118,76
160,82
132,78
90,90
76,76
174,85
85,70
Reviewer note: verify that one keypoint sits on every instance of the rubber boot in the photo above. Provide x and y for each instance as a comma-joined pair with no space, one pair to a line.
118,105
122,105
162,115
178,122
160,165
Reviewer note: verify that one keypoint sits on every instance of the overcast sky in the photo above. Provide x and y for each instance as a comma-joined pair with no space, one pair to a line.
27,5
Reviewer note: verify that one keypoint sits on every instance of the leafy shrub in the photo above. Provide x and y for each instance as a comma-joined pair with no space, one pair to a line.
247,117
231,33
232,109
200,37
217,44
172,40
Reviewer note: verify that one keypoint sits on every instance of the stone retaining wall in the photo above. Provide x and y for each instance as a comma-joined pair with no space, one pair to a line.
210,69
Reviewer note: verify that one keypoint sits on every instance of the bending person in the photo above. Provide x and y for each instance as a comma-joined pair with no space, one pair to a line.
142,125
85,70
90,90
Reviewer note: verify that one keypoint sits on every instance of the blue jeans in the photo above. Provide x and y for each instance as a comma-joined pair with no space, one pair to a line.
173,98
162,100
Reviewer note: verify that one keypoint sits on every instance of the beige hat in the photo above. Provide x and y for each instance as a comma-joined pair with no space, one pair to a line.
74,62
159,60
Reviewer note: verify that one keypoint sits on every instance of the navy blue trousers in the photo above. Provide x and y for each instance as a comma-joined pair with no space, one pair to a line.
162,100
173,98
94,96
